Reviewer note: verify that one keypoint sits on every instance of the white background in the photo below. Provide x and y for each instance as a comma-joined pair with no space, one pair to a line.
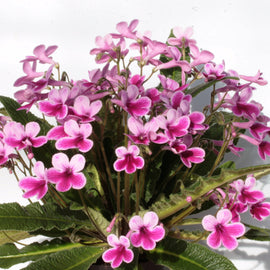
235,31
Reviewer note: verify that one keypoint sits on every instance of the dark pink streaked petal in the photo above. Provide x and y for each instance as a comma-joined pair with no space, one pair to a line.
139,107
235,229
39,141
77,181
229,242
157,234
56,133
214,240
55,176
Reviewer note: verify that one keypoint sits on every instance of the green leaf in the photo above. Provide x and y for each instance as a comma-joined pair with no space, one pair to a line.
176,202
257,233
198,89
177,254
59,250
78,258
34,217
12,236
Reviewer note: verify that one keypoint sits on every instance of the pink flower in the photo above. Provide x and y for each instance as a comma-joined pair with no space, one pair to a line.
146,232
66,174
192,155
255,79
56,103
5,151
131,103
260,210
222,231
182,37
85,110
35,185
76,137
120,251
16,135
128,159
245,191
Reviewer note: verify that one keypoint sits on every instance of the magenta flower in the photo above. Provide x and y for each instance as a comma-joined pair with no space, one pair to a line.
131,103
35,185
245,191
260,210
192,155
66,174
146,232
173,124
76,137
120,251
128,159
16,135
221,231
214,72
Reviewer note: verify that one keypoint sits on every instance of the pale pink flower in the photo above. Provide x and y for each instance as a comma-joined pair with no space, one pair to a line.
5,152
222,231
182,37
120,251
146,231
128,159
37,185
66,174
86,110
255,79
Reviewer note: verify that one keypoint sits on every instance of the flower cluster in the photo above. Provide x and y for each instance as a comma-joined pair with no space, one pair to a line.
127,146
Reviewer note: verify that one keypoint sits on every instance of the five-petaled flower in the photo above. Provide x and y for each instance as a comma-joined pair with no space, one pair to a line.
128,159
222,231
66,174
146,231
120,251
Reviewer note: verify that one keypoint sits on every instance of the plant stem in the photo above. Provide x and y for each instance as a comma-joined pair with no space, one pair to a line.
126,194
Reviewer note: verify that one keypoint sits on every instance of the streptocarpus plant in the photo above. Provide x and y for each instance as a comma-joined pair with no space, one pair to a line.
118,166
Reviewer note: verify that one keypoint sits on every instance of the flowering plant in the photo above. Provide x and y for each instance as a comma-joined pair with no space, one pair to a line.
117,166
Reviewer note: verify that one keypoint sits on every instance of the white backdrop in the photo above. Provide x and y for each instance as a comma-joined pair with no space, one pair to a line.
235,31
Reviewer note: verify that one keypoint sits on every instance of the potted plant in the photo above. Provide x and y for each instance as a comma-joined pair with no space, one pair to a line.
119,161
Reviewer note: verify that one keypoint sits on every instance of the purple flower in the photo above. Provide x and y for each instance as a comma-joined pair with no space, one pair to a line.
120,251
245,191
16,135
146,232
35,185
76,137
66,174
222,231
260,210
131,103
128,159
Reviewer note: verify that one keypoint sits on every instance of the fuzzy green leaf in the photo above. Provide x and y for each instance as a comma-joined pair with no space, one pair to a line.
61,253
176,202
177,254
198,89
257,233
34,217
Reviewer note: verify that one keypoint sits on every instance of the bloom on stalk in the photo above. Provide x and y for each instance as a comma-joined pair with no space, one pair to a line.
221,231
128,159
66,174
120,251
146,231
